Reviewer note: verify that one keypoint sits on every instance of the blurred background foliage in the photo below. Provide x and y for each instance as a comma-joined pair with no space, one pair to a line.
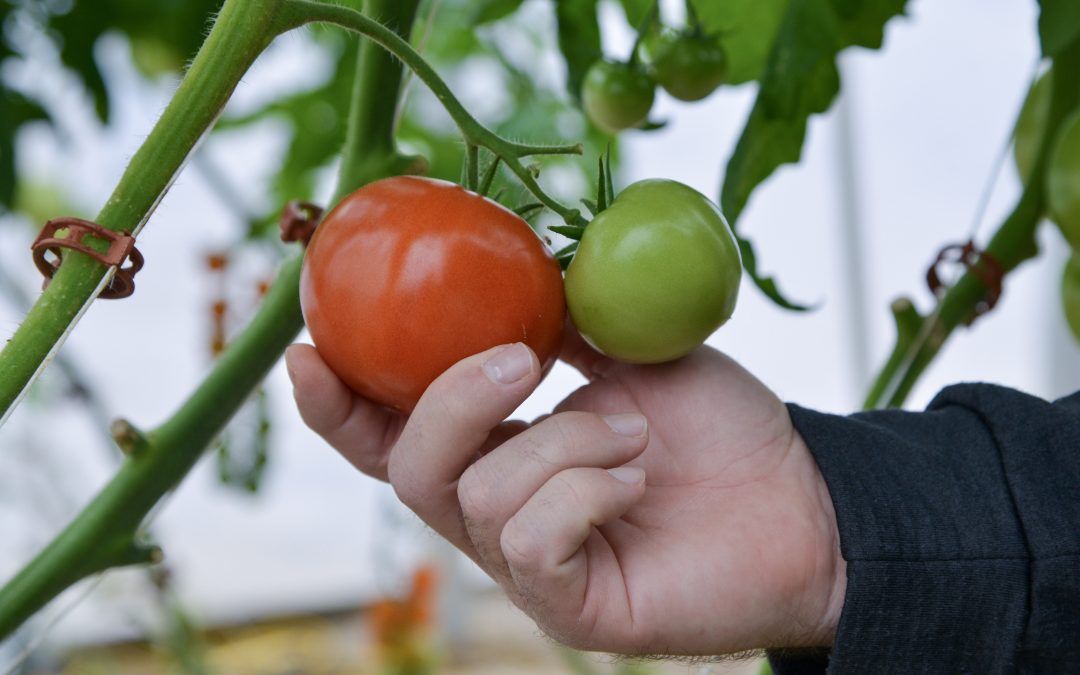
538,68
458,36
463,39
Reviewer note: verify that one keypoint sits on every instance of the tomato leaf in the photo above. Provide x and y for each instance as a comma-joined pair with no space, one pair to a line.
799,80
579,40
767,285
164,36
564,255
652,125
567,250
569,231
602,197
527,210
609,183
747,30
1059,25
493,10
15,110
636,11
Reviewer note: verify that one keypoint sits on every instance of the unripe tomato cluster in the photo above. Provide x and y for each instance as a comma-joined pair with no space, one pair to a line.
686,64
1062,181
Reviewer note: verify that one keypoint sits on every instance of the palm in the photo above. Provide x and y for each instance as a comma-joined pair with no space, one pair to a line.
725,521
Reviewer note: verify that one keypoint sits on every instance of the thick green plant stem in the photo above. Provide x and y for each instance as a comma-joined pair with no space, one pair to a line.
242,30
104,534
369,149
300,12
1012,244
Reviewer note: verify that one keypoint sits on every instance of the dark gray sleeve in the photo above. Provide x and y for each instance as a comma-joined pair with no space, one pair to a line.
961,531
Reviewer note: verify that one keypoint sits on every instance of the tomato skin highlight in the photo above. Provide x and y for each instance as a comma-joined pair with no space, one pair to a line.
654,274
408,275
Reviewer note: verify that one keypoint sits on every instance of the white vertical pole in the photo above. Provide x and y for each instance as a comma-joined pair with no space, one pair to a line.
850,242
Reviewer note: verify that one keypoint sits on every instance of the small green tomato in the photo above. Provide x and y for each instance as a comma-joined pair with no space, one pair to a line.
687,66
1070,294
617,96
1063,180
654,274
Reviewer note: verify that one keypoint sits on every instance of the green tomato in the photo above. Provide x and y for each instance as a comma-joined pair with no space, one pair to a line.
654,274
1063,180
687,66
617,96
1070,294
1030,126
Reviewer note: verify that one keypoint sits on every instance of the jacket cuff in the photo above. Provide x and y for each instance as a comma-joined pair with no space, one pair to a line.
937,563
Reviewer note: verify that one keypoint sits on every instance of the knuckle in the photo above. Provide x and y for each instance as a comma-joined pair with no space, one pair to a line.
564,434
405,492
566,484
519,547
474,497
545,455
408,488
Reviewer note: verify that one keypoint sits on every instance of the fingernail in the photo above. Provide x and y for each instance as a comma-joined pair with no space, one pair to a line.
509,365
631,475
626,424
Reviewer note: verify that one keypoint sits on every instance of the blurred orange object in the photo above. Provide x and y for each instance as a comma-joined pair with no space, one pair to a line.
401,626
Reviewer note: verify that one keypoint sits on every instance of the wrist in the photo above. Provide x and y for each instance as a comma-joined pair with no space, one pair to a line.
829,582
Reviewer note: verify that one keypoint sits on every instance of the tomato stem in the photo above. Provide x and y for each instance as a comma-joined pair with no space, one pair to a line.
489,176
241,32
103,534
299,12
643,29
369,135
526,210
694,20
527,150
472,170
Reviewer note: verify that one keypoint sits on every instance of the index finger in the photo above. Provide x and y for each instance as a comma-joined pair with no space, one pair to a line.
360,430
450,427
580,354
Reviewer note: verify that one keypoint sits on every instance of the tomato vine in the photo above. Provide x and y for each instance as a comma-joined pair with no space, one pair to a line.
105,534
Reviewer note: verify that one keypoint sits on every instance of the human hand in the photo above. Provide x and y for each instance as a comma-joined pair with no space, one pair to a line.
714,534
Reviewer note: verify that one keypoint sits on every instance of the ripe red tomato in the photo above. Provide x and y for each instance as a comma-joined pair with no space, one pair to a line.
408,275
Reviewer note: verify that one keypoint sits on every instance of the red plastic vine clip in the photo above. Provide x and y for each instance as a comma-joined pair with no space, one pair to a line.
984,266
74,233
298,221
